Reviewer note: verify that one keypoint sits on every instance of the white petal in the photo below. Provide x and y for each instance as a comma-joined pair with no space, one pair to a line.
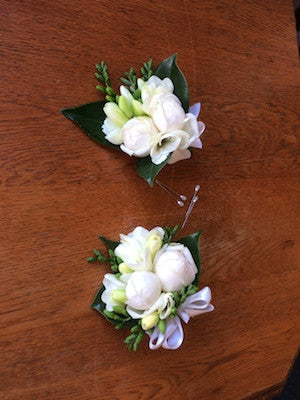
195,109
112,132
179,155
196,144
201,127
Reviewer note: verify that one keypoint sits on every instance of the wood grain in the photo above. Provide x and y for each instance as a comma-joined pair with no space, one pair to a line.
59,190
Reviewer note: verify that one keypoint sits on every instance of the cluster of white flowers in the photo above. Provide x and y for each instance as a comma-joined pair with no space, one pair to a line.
156,126
149,275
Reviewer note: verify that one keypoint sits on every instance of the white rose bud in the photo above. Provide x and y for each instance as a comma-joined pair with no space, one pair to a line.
167,113
139,136
142,290
174,266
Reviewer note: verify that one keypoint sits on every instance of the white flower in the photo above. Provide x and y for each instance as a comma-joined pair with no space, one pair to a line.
194,129
142,290
139,135
137,248
168,143
163,106
112,284
174,266
163,306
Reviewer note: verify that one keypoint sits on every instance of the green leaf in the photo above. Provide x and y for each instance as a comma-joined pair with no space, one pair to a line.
169,68
99,306
148,170
109,243
191,242
90,118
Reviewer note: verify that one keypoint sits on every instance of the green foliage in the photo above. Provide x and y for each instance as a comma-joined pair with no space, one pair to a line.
90,118
148,170
132,341
146,70
169,233
169,68
105,85
191,242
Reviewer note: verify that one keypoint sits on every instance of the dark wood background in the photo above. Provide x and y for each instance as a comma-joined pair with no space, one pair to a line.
59,190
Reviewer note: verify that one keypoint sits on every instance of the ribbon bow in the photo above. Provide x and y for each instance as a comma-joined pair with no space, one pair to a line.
198,303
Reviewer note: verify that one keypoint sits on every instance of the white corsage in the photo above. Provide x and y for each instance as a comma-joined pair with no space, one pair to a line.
153,286
148,117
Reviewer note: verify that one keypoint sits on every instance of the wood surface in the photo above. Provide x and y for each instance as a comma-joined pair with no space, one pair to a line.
59,190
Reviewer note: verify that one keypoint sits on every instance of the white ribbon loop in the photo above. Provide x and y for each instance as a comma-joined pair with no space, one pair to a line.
171,339
198,303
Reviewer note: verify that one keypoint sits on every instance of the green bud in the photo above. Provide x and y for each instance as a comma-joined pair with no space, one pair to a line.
162,326
109,98
135,328
118,295
109,91
150,321
125,106
120,310
137,108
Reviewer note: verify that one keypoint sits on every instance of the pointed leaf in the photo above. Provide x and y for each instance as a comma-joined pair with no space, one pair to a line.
99,306
90,118
110,244
169,68
148,170
192,243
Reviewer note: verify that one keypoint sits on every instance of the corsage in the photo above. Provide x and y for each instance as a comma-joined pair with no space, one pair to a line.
153,286
149,117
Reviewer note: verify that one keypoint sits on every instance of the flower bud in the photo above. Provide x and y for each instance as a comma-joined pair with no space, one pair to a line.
137,108
150,321
154,242
124,106
114,113
139,135
174,266
123,268
142,290
118,295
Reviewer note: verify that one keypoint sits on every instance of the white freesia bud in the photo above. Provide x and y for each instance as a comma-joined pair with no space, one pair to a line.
112,285
118,295
114,113
150,321
154,242
112,132
142,290
174,266
123,268
139,136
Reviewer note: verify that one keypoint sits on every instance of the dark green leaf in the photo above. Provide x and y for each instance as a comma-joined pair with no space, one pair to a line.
109,243
191,242
99,306
90,118
169,68
148,170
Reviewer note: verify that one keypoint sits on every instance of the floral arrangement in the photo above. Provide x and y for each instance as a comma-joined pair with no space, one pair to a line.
149,118
153,285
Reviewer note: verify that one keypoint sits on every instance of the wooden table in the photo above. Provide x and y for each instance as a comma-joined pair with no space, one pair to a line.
59,190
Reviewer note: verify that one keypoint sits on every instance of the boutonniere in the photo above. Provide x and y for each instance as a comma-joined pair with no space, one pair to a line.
148,117
153,286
